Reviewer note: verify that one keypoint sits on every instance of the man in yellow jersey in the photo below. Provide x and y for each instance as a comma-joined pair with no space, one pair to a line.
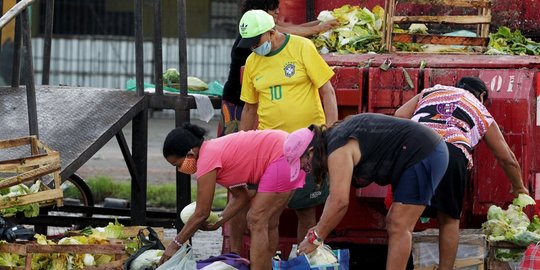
283,82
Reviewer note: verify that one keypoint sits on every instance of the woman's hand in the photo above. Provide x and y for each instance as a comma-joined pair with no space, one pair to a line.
211,226
325,26
305,247
171,249
518,190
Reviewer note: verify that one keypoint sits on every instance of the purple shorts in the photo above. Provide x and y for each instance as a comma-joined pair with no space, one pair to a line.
276,177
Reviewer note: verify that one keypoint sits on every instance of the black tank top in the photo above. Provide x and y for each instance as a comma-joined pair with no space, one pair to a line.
388,146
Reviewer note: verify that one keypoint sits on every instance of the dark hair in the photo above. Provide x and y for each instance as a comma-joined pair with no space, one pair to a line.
473,85
180,140
265,5
319,165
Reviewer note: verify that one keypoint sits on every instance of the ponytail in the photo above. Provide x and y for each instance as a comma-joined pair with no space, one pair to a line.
319,163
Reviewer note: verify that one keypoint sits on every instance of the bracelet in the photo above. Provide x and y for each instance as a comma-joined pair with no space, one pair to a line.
313,238
177,242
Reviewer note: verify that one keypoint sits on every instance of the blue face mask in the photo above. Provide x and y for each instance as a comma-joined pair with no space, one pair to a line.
264,49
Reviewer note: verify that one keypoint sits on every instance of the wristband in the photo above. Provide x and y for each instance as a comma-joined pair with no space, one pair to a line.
177,242
313,238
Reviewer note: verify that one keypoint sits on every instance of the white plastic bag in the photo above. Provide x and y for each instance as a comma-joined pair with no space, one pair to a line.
181,260
323,255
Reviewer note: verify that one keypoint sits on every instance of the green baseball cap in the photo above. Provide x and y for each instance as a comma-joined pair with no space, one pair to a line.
253,24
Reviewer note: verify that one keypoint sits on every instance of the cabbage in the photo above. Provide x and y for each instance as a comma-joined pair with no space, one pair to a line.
171,75
11,260
188,211
523,200
196,84
29,210
147,259
114,230
512,224
360,30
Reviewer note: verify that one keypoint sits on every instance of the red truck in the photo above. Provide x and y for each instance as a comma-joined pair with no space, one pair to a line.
361,86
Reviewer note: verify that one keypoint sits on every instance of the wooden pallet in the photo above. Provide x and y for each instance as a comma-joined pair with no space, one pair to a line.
28,250
41,162
482,20
494,264
473,239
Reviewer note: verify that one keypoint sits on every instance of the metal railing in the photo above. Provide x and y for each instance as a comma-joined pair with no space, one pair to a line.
22,28
181,103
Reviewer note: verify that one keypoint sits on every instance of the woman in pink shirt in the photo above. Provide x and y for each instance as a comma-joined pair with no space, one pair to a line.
236,161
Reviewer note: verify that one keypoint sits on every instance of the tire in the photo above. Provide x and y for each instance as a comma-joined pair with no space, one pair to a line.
83,190
78,193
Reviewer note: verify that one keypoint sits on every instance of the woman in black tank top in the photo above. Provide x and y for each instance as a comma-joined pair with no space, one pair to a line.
369,148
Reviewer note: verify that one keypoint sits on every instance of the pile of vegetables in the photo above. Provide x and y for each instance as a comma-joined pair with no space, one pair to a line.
89,236
512,43
512,225
360,30
30,210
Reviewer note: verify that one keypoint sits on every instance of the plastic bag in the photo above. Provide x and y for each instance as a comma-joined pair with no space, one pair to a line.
152,242
228,261
531,258
181,260
302,263
323,255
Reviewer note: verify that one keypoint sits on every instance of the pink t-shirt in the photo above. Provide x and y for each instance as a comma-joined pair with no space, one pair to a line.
240,157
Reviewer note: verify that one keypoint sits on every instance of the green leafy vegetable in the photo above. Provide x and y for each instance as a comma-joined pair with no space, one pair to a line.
360,30
29,210
171,75
512,43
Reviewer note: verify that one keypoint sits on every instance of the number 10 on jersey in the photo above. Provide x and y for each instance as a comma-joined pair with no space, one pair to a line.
276,92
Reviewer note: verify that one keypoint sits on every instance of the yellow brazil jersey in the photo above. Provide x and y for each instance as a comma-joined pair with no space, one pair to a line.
285,84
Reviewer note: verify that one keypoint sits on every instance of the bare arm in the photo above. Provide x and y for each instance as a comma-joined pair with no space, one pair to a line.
328,96
239,199
406,110
206,185
312,23
506,158
340,169
307,29
249,117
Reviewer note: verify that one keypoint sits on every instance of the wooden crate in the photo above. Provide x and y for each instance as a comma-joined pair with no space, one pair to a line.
482,20
494,264
28,250
41,162
471,249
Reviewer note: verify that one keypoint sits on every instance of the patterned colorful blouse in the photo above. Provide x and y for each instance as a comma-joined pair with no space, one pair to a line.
456,114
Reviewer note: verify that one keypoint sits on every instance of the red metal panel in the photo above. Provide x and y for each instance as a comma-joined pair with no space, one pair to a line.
511,93
362,214
491,184
444,76
293,11
389,89
454,61
347,83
